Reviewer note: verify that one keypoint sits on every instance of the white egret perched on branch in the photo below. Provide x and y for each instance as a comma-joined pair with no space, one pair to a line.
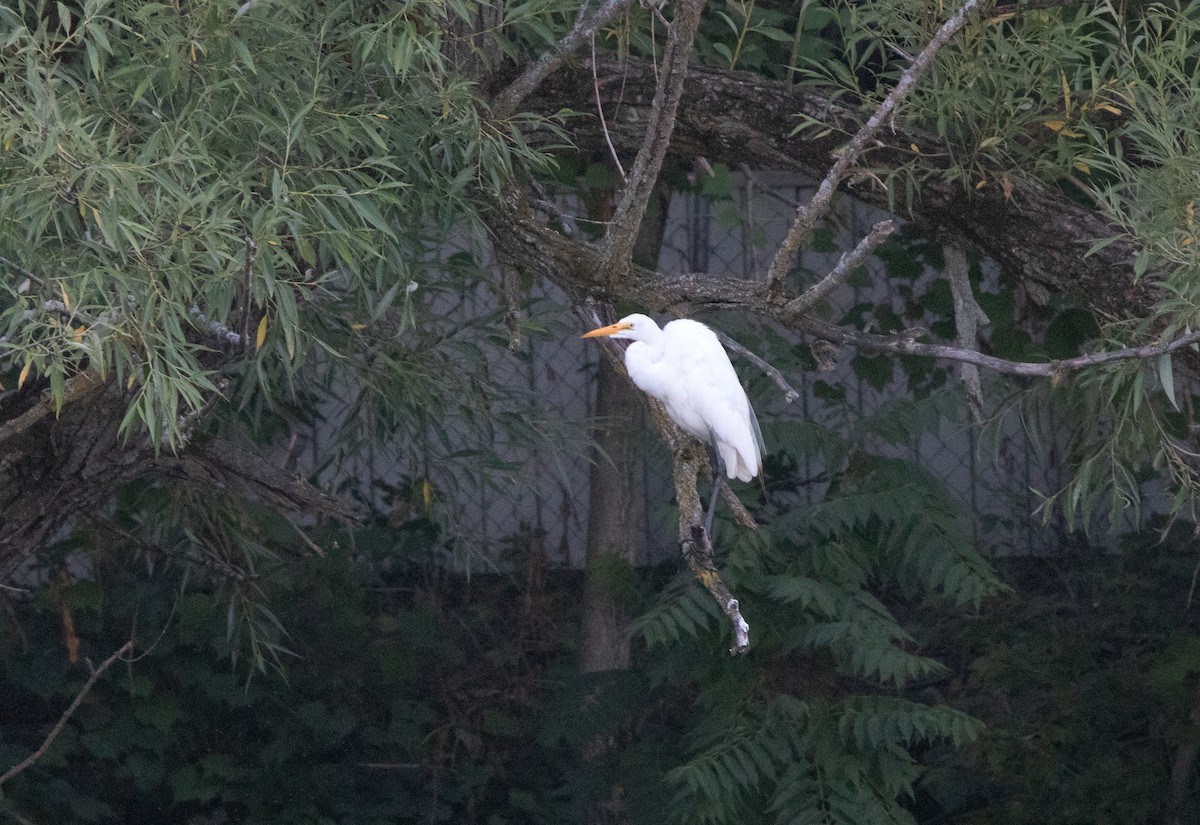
684,366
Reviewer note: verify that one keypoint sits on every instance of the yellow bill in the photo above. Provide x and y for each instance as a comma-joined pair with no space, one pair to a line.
611,329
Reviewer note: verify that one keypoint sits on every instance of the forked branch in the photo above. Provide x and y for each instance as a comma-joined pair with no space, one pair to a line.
627,217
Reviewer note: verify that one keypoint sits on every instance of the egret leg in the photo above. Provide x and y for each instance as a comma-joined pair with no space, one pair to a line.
718,468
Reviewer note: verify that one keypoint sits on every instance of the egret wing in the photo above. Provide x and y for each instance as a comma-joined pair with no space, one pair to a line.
714,396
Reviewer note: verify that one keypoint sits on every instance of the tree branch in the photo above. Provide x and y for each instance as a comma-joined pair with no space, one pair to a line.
808,214
789,393
627,217
62,722
74,388
1049,369
506,102
575,266
218,329
1033,231
224,465
697,548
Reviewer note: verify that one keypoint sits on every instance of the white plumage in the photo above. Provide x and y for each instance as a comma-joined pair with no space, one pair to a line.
685,367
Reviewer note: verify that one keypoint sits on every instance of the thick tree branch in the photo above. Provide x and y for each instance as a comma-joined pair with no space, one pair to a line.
1033,231
74,388
627,217
808,214
574,265
222,466
62,721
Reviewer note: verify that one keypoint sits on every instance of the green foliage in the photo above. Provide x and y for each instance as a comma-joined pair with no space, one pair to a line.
293,164
1010,94
1087,683
403,706
459,701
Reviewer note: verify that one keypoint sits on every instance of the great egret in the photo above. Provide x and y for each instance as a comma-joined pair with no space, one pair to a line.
685,367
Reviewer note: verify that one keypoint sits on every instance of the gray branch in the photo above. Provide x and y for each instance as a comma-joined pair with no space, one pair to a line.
62,722
219,330
1049,369
789,393
506,103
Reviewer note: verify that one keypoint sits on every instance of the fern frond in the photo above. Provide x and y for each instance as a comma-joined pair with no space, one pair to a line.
686,609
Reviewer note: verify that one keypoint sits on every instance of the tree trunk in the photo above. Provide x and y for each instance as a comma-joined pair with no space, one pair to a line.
616,509
617,501
616,522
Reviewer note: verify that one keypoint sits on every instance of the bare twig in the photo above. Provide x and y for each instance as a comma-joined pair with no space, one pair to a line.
968,315
808,214
506,103
11,264
62,722
627,217
612,150
789,392
740,514
847,264
1049,369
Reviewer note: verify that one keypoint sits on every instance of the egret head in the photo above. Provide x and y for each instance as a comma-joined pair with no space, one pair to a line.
636,327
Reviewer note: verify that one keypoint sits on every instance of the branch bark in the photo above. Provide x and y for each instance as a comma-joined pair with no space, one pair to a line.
54,468
697,548
574,265
848,263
